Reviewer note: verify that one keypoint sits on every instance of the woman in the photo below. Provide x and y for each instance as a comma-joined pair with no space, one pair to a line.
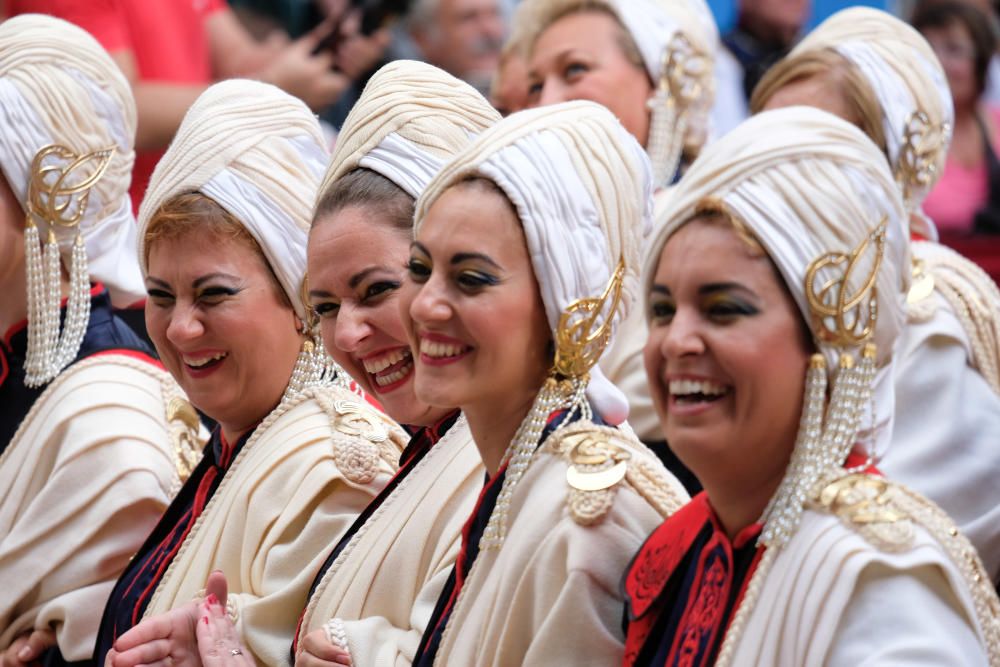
967,196
95,436
651,63
877,72
769,365
372,598
524,262
296,457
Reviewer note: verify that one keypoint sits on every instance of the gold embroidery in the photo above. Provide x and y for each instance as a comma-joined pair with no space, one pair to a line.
184,428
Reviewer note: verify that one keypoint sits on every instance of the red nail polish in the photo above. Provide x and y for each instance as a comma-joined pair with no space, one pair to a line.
205,618
211,599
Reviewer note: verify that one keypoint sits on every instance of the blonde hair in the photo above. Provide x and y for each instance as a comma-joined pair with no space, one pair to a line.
866,111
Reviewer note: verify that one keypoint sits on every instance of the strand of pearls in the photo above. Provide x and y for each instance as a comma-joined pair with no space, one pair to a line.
522,448
50,351
665,140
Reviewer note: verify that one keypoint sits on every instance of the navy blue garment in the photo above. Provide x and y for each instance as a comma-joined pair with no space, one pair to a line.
134,589
472,533
105,333
420,443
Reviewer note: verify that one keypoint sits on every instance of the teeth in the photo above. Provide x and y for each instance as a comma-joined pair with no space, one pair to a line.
687,387
204,361
380,364
437,350
395,376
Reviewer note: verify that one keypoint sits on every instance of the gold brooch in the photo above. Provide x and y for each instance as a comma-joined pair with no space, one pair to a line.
843,317
51,197
579,339
922,143
596,463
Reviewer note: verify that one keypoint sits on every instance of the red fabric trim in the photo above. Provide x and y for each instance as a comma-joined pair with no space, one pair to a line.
4,367
857,459
134,354
703,612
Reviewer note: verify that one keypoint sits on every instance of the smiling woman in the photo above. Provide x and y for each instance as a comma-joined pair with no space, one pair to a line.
223,233
775,293
524,262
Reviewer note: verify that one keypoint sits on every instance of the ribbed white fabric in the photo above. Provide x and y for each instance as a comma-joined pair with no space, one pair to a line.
259,153
905,75
410,118
58,86
806,183
580,184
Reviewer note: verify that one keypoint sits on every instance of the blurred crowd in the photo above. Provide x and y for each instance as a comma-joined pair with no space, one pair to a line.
323,52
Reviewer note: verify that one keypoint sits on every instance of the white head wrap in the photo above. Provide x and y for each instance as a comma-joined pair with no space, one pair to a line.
58,86
906,77
257,152
806,183
580,184
680,31
409,120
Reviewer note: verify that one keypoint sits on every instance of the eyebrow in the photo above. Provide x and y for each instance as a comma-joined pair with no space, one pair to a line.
460,257
709,288
198,282
358,277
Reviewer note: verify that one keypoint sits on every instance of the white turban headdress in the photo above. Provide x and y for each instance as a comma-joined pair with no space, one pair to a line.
677,40
581,187
257,152
810,186
410,119
912,91
66,106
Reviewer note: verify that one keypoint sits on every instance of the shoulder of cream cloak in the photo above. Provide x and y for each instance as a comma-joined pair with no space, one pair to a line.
603,461
363,439
118,396
903,529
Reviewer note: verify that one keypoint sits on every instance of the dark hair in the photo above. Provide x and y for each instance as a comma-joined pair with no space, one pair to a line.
364,187
945,13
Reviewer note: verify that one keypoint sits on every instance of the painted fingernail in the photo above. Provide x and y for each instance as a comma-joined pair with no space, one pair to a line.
211,599
205,618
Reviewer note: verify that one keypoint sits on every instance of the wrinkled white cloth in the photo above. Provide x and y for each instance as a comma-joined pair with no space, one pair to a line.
58,86
257,152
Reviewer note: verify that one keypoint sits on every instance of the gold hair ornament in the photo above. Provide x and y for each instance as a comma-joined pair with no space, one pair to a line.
579,339
916,165
679,88
56,199
842,317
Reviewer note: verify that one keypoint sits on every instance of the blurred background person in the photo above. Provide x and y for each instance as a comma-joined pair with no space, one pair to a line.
764,32
967,198
171,51
462,37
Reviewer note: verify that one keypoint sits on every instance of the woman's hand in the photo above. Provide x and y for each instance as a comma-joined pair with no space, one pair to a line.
26,650
317,651
170,639
219,645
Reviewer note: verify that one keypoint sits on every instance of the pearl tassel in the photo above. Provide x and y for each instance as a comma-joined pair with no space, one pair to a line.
50,351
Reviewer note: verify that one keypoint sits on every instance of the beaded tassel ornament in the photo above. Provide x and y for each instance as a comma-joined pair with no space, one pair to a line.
844,319
314,366
57,197
584,331
678,89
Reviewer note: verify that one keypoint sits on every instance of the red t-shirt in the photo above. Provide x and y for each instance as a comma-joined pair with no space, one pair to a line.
167,38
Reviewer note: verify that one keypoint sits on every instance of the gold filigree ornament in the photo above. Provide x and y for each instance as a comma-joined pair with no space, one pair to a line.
841,316
923,142
682,68
585,328
867,504
59,189
597,466
184,427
